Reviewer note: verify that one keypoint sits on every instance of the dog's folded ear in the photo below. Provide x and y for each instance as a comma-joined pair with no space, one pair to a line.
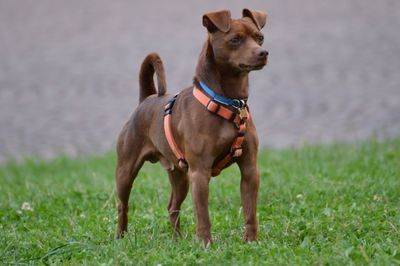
220,20
259,18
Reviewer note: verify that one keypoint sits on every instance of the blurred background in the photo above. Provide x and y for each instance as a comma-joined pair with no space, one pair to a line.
69,69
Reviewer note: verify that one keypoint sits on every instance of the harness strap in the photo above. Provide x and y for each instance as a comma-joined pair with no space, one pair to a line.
234,152
214,107
168,133
239,119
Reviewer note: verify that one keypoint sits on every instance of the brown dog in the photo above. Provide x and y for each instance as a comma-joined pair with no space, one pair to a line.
199,130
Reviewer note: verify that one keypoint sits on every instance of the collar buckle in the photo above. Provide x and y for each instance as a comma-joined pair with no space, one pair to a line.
238,103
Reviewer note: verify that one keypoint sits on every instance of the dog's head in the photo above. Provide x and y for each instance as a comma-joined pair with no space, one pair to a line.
236,43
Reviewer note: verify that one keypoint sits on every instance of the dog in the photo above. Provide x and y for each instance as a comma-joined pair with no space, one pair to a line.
201,130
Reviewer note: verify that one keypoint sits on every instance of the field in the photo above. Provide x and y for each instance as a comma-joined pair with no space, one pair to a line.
331,204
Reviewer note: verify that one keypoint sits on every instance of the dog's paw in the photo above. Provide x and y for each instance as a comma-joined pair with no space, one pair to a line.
249,238
206,240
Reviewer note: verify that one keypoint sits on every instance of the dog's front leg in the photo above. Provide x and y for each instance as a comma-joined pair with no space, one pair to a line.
249,184
200,180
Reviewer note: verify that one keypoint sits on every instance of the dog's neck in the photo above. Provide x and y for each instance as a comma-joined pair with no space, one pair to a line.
227,83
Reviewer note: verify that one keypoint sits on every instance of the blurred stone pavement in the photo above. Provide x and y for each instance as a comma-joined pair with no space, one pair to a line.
69,69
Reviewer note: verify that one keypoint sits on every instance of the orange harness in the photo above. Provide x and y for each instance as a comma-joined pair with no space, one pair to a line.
238,118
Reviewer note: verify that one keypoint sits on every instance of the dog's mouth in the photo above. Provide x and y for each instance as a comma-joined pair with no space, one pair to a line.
249,68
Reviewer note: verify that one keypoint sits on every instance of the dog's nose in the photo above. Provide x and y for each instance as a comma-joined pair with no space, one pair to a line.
261,53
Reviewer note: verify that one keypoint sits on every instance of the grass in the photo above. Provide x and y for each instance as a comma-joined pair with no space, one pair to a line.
336,204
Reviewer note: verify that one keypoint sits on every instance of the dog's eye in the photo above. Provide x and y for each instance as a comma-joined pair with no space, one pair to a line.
260,39
235,40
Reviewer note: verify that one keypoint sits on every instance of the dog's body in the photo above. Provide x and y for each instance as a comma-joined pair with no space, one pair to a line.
230,52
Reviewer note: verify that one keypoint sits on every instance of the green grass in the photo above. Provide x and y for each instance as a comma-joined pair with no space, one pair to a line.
335,204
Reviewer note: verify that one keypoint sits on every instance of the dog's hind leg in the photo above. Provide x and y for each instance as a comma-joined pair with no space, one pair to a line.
180,185
128,165
126,174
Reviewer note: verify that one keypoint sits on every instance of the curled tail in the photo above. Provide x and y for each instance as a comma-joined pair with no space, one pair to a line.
152,64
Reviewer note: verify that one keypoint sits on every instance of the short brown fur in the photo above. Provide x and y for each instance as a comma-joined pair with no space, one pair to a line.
231,51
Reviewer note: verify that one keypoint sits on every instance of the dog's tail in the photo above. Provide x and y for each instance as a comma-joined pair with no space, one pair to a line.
152,64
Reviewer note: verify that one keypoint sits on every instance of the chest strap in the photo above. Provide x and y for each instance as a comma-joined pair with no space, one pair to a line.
238,118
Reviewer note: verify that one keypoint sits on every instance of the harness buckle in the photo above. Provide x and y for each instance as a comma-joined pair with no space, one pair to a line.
182,163
169,105
236,152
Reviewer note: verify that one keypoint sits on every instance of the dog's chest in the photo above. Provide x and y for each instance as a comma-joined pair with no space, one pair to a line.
225,135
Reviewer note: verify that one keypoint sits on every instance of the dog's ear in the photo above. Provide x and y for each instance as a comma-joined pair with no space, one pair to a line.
259,18
220,20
